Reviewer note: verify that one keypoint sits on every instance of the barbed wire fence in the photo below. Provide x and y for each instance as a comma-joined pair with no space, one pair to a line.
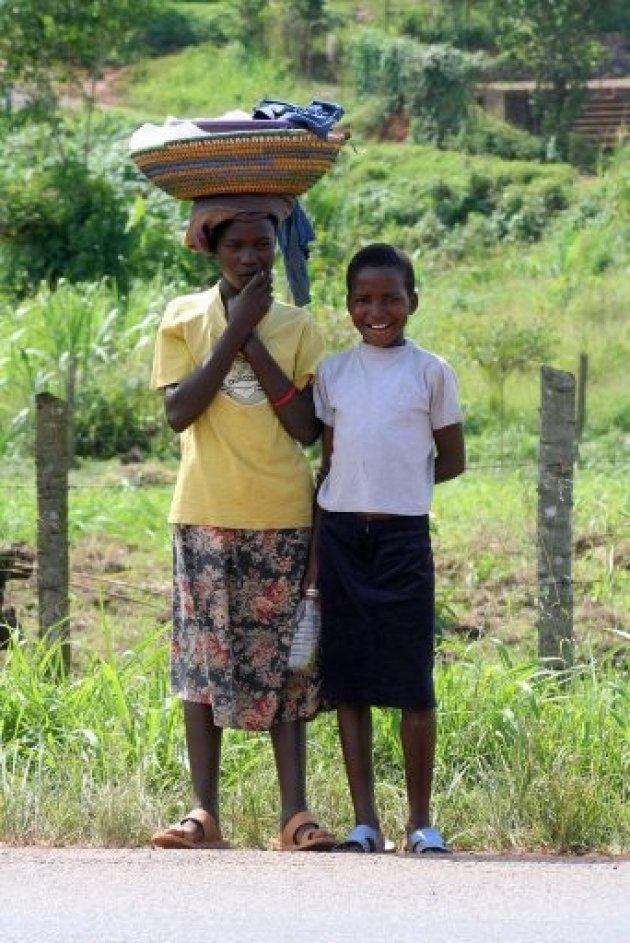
551,591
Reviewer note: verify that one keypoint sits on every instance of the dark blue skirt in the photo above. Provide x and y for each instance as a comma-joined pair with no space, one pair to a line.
377,586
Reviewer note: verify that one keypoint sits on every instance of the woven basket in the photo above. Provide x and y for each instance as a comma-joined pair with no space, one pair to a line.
282,161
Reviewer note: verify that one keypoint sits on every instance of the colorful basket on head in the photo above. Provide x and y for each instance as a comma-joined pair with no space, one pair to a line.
284,161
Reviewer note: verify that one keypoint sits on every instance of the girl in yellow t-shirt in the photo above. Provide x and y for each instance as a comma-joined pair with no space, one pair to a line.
236,368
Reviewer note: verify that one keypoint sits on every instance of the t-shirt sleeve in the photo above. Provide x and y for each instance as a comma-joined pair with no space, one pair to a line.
445,406
172,359
309,354
323,409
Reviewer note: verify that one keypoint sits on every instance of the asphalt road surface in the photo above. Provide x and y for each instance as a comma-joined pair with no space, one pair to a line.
143,896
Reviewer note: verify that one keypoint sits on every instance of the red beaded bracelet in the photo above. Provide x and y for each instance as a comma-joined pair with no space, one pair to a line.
288,396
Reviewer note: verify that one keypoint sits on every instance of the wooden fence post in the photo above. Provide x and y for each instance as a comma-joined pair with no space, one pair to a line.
52,521
555,508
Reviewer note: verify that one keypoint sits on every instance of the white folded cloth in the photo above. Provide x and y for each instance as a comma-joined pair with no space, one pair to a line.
176,129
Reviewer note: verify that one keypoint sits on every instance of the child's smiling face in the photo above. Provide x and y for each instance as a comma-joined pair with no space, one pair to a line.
379,303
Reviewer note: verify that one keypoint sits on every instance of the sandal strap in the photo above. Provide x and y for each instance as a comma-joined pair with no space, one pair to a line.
295,823
366,837
425,839
205,821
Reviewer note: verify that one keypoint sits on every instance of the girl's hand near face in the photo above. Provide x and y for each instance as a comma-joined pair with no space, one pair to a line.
252,303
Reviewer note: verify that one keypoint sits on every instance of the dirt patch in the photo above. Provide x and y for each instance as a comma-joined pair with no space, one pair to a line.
139,474
119,594
108,88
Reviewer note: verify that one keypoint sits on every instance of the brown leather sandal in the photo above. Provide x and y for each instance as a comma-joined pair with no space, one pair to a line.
177,837
310,838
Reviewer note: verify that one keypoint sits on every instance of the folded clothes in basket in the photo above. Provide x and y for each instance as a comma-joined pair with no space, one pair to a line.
283,152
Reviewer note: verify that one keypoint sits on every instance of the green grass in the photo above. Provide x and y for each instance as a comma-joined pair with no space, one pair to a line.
526,760
485,543
205,81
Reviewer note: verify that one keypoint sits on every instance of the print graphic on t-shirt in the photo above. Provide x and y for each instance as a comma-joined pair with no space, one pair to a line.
241,385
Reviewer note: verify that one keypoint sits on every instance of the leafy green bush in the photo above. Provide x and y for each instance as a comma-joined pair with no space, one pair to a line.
369,119
440,83
466,27
90,339
484,133
81,221
174,27
364,62
582,152
438,205
127,418
522,215
61,222
453,205
430,85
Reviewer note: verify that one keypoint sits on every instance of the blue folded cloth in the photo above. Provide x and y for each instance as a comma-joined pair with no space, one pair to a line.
294,235
318,117
296,232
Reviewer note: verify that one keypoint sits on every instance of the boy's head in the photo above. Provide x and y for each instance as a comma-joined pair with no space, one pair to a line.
382,255
381,293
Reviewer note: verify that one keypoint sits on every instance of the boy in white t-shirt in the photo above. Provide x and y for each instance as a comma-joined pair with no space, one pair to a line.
392,429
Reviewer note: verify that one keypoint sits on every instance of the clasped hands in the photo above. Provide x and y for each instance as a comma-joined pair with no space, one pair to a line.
250,305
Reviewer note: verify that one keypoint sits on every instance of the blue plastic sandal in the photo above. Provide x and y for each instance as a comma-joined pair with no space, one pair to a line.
364,839
424,841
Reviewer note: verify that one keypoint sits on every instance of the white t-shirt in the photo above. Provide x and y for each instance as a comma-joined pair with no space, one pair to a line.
383,404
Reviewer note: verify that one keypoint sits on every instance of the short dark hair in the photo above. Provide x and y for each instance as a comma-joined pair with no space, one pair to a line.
381,255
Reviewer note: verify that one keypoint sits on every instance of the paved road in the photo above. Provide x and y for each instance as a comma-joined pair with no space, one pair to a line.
144,896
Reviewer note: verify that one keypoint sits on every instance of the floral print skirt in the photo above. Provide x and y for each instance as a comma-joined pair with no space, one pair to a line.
235,594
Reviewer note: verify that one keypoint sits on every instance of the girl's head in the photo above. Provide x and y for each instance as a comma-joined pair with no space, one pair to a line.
244,246
213,234
381,293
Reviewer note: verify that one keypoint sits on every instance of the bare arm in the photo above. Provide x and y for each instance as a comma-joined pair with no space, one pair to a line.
451,452
298,414
310,577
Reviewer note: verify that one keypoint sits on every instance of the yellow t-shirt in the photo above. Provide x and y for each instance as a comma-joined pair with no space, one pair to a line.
239,467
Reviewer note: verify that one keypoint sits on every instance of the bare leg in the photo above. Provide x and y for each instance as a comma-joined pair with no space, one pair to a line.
418,736
203,739
289,749
355,731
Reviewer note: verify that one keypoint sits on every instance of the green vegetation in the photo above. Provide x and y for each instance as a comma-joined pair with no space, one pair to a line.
556,43
205,80
431,86
520,259
526,758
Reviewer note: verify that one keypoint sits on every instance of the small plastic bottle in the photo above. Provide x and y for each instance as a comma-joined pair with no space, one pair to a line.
305,645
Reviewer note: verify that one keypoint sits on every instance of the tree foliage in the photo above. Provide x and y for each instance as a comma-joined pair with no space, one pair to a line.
49,48
556,42
303,24
43,39
61,221
431,86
